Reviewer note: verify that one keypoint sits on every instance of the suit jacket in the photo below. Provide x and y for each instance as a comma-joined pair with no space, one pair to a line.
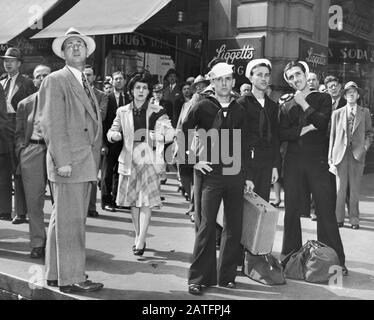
25,121
23,87
172,96
124,123
361,138
3,123
71,127
102,99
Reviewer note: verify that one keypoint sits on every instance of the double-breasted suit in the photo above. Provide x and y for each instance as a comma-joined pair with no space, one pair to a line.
73,133
31,155
347,152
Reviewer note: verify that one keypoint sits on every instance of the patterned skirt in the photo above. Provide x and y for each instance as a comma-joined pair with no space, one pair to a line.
142,187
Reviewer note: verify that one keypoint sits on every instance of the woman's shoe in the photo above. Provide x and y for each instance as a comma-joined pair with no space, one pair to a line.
195,289
139,252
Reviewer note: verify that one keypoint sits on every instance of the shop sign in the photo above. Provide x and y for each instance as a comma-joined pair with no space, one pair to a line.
35,47
237,52
146,43
351,53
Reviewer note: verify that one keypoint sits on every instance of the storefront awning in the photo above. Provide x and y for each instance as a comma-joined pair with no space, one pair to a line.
18,15
95,17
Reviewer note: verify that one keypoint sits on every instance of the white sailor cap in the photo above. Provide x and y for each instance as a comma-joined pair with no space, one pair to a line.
253,63
220,69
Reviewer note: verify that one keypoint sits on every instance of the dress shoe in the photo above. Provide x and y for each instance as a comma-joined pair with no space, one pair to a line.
355,226
37,253
6,216
163,181
195,289
139,252
276,204
92,213
52,283
86,286
19,220
124,208
340,224
344,271
110,208
162,198
229,285
313,217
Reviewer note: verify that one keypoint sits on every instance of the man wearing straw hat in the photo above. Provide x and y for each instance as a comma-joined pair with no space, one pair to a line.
304,121
71,123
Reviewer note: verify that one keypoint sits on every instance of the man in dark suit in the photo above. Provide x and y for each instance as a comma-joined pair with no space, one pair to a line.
16,87
102,99
334,89
31,151
71,125
111,151
172,90
263,127
5,178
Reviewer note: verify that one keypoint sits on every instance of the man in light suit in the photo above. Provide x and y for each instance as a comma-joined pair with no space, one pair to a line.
350,138
16,87
31,152
102,99
72,129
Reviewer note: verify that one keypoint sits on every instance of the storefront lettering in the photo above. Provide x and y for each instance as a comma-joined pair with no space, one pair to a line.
358,54
336,18
231,55
128,40
316,59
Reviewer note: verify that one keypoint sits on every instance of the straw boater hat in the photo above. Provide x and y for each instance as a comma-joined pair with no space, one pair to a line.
200,79
352,85
13,53
254,63
72,32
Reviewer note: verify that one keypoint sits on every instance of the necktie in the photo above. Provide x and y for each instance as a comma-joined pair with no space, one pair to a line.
88,92
7,87
120,100
351,119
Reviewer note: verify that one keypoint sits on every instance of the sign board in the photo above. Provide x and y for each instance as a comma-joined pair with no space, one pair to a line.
315,55
237,52
351,53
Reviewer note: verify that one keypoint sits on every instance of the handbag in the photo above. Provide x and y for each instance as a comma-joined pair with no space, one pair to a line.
311,263
265,269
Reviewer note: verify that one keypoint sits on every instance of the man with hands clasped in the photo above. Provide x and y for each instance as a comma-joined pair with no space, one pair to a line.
304,121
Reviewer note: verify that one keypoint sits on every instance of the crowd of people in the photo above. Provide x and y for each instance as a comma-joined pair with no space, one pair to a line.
60,130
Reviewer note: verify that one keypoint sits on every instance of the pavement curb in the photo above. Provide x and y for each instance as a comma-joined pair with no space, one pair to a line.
21,288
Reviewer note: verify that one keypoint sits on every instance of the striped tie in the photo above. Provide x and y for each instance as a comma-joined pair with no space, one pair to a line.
88,92
351,119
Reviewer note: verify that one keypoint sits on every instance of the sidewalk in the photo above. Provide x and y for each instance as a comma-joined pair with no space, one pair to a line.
162,272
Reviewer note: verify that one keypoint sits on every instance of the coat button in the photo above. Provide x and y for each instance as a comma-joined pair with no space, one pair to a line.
86,130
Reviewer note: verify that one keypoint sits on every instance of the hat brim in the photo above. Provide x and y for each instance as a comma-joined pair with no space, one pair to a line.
58,42
360,91
193,86
10,57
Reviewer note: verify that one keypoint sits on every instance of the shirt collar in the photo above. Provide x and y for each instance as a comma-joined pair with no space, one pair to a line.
77,74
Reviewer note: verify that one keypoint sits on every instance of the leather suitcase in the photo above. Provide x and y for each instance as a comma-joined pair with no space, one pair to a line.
260,220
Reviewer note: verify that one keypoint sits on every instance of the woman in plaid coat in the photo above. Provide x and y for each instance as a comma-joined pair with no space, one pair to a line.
144,128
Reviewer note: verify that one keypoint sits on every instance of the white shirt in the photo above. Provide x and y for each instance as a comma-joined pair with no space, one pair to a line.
262,102
77,73
172,86
12,80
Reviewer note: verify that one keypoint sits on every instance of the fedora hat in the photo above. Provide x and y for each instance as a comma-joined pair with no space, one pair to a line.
200,79
352,85
72,32
171,71
13,53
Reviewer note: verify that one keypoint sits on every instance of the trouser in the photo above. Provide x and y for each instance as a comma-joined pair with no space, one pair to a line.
348,178
203,269
34,177
66,249
5,184
186,176
109,181
312,169
93,196
197,178
20,207
262,168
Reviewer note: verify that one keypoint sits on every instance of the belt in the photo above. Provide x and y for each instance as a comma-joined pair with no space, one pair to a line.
41,141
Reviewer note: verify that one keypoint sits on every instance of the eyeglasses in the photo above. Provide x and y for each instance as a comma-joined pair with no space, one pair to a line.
71,45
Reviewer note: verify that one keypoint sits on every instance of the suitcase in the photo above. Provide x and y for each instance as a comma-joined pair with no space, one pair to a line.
260,220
